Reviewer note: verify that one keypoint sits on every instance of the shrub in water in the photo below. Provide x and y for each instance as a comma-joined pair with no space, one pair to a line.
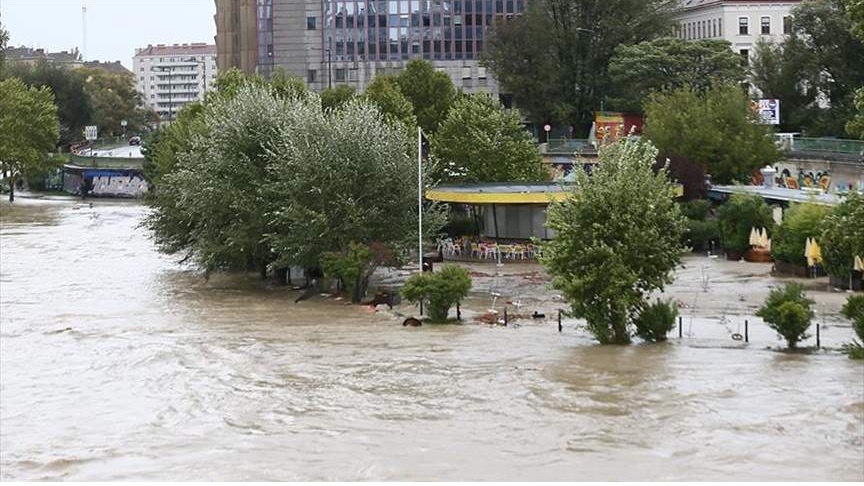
788,312
441,290
656,320
854,311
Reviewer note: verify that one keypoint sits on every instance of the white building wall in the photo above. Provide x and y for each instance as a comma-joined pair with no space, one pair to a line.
721,20
169,81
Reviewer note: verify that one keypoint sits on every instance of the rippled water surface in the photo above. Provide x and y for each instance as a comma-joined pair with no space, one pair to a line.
118,364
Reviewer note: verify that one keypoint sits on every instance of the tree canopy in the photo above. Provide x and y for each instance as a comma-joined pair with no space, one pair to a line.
716,127
29,129
669,63
617,239
333,98
114,98
554,58
481,142
74,106
430,92
819,61
257,184
384,92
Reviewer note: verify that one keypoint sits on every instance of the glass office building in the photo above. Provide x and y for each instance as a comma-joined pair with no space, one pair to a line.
391,30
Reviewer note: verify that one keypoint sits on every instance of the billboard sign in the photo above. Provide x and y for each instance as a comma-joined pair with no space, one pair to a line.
769,111
90,132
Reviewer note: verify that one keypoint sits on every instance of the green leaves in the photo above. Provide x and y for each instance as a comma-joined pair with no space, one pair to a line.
617,239
480,142
670,63
740,214
716,127
788,311
442,289
29,128
842,236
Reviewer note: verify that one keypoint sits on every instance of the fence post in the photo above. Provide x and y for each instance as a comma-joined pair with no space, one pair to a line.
746,331
818,337
421,307
559,321
680,327
458,312
505,316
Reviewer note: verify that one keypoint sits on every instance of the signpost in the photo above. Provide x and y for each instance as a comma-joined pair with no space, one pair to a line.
123,124
90,132
547,128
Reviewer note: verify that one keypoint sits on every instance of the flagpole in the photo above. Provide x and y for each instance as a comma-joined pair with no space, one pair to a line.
420,196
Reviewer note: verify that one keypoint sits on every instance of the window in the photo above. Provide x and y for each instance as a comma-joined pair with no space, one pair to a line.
745,57
743,26
310,75
310,23
152,78
766,25
142,78
787,24
142,69
152,96
340,75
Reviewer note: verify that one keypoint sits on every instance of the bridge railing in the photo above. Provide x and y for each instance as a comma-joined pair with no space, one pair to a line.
832,145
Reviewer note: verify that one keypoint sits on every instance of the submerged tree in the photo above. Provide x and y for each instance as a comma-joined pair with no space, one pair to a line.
617,239
28,130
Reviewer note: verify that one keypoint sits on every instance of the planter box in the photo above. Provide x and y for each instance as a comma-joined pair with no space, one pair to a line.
758,256
792,269
734,255
843,282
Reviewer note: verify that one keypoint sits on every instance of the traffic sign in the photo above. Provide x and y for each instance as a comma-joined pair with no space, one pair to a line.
90,132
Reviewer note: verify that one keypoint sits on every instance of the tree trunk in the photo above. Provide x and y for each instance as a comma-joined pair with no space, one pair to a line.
12,182
263,270
280,276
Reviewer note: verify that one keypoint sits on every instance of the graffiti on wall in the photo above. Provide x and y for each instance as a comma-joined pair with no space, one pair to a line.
118,185
808,179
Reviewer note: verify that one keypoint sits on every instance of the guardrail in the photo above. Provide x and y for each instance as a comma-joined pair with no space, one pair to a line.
566,145
106,162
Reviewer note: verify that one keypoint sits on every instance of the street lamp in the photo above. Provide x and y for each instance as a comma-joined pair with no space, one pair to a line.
329,62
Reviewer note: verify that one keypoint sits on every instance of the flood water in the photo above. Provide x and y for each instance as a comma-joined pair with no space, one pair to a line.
116,363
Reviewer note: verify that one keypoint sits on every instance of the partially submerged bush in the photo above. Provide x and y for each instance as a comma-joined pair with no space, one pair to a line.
854,311
788,312
441,290
656,320
800,222
740,214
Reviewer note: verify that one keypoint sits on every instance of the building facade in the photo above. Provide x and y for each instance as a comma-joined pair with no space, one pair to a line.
741,22
169,77
332,42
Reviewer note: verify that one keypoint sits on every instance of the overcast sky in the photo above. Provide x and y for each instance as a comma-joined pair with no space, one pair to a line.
114,27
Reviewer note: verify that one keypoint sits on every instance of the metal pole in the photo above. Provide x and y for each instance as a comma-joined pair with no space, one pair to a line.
746,331
421,307
680,327
420,196
559,321
329,63
818,338
505,316
458,312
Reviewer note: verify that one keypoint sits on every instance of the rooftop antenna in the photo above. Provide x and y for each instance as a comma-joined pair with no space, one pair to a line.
83,32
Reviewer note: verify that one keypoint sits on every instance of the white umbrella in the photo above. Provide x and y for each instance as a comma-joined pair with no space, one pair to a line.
754,237
807,252
859,264
763,238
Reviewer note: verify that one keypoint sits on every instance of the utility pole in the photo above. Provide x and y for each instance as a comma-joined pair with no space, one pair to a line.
329,62
83,32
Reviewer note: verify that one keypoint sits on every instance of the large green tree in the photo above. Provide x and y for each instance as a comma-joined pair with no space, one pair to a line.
384,92
842,236
785,71
29,129
822,61
479,141
617,239
114,99
554,57
4,38
430,92
74,106
670,63
333,98
716,127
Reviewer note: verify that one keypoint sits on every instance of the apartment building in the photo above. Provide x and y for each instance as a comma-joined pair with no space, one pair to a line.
741,22
328,42
170,76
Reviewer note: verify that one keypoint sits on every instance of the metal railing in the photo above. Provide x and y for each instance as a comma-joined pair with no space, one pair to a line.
566,145
832,145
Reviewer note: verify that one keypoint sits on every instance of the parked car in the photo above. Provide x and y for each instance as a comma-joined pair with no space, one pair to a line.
136,140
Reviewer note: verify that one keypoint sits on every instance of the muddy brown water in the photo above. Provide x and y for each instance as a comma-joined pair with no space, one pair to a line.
116,363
